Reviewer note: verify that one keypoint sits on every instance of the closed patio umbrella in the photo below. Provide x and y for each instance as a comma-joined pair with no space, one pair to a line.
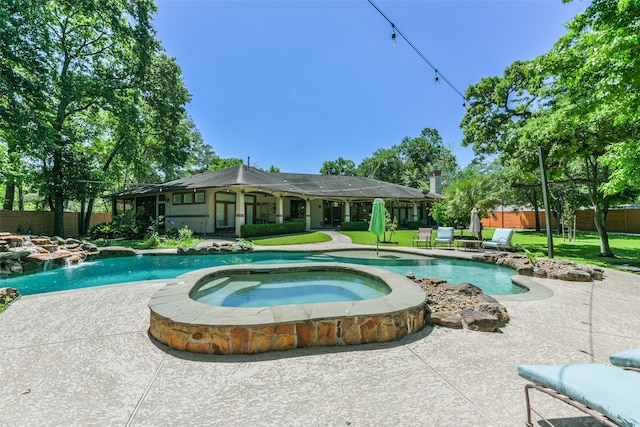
378,220
475,227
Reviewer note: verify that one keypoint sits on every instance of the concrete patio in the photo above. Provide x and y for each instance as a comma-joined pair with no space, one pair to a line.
85,358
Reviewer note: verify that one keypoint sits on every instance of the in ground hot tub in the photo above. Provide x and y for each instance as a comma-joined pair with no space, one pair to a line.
179,320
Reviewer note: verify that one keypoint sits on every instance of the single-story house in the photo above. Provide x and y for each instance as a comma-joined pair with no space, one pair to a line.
222,201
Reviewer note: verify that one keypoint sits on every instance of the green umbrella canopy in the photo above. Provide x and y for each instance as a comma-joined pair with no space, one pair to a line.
378,217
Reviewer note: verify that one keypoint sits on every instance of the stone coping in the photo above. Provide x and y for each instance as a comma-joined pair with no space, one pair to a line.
173,301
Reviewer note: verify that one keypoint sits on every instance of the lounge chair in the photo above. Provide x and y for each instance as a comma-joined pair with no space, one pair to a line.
629,359
501,239
445,235
606,393
423,237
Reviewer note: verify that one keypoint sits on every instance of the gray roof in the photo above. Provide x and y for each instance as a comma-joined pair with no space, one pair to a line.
297,184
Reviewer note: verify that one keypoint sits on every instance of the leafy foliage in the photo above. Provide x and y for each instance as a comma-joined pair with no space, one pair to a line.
578,102
340,166
251,230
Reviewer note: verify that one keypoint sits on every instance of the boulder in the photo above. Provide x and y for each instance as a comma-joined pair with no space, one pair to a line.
13,254
495,309
8,295
448,319
448,287
479,321
469,289
115,251
574,275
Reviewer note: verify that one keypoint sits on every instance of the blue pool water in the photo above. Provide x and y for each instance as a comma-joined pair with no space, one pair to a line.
492,279
265,290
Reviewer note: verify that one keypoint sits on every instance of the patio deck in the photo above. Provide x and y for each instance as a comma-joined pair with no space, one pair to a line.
84,357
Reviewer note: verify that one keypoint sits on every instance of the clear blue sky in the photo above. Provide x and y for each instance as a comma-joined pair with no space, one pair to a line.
296,83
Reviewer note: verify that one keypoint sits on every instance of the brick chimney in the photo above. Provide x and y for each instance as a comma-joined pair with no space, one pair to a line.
435,182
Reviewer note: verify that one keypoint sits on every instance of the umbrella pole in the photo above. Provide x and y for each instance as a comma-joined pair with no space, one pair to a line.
377,244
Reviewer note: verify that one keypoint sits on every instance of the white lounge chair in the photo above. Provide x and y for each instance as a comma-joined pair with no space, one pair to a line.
501,239
445,235
606,393
423,237
628,359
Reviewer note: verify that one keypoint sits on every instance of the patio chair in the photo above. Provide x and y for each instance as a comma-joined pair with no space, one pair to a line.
501,239
606,393
629,359
423,237
445,235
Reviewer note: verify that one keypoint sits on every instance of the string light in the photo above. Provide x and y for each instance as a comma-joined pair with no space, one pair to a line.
424,58
437,79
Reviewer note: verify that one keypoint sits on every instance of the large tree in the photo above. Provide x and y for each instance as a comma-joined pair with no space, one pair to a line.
553,102
341,166
409,162
101,103
602,48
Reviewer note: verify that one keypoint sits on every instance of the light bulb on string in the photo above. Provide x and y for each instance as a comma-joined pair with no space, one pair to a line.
437,79
393,35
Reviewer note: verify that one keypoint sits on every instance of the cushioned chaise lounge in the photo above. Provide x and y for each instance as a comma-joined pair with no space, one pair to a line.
501,239
609,394
423,237
445,235
628,359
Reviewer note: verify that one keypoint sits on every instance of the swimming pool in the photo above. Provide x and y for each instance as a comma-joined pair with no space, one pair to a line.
495,280
182,323
263,288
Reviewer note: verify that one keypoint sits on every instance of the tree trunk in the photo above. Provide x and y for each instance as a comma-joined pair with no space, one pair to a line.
58,214
536,211
600,220
20,199
57,196
557,213
81,225
87,219
9,196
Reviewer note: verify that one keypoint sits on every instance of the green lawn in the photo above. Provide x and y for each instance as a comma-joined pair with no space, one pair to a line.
292,239
584,250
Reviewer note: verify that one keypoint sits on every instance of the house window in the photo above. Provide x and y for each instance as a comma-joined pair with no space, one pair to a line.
188,198
297,209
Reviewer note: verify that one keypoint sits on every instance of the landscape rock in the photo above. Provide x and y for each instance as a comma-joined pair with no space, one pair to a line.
447,319
8,295
495,309
545,268
469,289
115,251
479,321
574,275
445,306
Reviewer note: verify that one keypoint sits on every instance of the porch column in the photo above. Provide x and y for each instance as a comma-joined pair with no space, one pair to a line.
239,212
414,214
307,214
347,211
279,209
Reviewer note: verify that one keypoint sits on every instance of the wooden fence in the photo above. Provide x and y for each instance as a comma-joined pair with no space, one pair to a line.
618,220
41,222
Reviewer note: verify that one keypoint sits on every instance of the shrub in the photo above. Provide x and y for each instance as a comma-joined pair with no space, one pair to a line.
185,233
355,226
414,225
152,241
253,230
172,233
123,226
